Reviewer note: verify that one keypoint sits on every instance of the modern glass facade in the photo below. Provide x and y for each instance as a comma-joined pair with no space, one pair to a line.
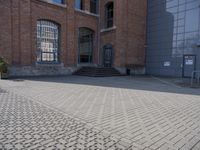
173,37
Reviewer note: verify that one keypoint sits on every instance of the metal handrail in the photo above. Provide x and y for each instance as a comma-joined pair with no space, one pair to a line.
193,75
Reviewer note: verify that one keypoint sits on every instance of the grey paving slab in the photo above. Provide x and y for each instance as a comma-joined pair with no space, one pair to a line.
143,112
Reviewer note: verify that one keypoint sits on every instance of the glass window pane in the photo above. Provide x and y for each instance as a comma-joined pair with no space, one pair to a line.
109,15
94,4
58,1
78,4
192,20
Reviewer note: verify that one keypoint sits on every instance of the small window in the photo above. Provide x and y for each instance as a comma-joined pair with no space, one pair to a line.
109,15
58,1
79,4
94,4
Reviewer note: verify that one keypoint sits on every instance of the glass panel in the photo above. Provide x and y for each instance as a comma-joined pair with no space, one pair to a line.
109,15
192,20
78,4
58,1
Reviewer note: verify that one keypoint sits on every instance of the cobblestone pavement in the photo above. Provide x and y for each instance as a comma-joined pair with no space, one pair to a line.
142,112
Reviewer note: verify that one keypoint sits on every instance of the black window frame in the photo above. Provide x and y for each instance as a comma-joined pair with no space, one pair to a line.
94,6
109,15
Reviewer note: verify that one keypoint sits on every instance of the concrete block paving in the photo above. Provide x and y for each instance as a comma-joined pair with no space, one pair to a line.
98,113
25,124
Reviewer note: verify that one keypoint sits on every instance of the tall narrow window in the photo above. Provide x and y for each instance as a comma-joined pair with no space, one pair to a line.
79,4
109,15
47,41
94,5
85,45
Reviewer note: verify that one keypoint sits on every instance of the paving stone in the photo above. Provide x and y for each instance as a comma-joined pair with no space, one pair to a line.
145,111
50,137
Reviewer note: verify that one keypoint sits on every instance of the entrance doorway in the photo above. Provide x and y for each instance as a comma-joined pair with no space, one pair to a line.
85,45
189,65
107,55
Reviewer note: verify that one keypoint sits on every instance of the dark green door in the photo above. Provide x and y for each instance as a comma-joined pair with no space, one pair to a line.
108,56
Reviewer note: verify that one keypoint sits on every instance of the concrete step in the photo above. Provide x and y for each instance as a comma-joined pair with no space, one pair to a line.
97,72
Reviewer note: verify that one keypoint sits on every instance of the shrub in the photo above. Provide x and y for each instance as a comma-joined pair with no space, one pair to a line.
3,66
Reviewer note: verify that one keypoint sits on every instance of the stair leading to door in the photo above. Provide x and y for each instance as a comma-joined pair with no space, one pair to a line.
97,72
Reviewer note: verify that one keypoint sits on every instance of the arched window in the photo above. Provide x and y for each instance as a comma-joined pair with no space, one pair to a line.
47,41
109,14
79,4
94,6
85,45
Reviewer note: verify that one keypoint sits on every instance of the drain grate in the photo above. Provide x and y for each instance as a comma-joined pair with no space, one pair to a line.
2,91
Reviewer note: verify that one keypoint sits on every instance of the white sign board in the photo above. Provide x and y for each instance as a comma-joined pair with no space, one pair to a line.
189,62
167,64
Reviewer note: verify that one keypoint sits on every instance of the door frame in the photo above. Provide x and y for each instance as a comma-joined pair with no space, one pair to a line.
92,46
183,69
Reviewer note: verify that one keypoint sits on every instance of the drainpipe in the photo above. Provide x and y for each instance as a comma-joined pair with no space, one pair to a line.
99,34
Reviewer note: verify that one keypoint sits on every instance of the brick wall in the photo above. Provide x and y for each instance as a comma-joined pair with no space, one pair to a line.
129,33
6,30
18,30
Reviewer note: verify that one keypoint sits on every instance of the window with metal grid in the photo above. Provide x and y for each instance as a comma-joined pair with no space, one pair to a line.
47,41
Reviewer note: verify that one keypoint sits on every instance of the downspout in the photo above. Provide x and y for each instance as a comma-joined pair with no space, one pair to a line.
146,39
99,34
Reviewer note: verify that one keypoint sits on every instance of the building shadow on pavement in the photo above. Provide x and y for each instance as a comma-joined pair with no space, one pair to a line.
145,83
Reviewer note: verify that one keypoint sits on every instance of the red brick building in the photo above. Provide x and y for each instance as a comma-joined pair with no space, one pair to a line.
47,37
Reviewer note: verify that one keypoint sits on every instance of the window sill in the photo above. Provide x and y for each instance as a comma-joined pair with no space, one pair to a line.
108,29
86,64
86,12
55,4
49,64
